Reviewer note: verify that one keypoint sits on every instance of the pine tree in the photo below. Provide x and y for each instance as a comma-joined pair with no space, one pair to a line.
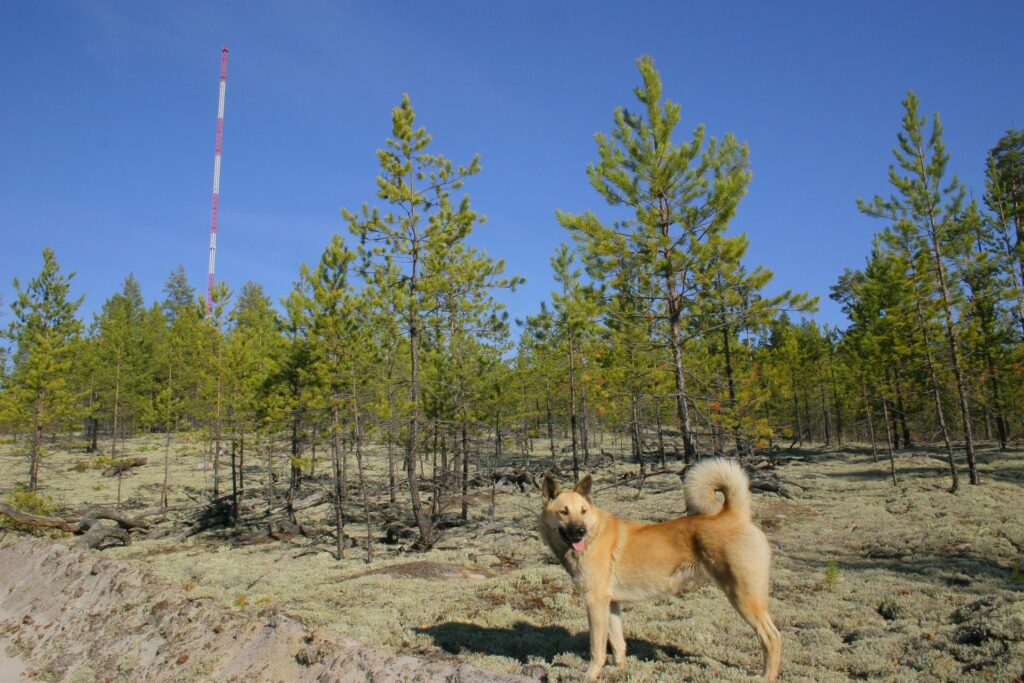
334,319
988,328
680,196
538,358
576,310
732,301
422,219
179,293
384,328
45,332
253,351
123,357
1004,197
466,321
297,392
216,373
926,214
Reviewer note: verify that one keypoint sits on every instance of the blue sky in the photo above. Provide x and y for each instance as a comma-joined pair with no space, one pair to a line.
108,111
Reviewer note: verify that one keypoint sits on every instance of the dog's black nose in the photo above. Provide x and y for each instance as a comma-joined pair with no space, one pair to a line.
576,531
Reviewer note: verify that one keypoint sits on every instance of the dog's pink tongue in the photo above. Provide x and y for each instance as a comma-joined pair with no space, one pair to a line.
578,546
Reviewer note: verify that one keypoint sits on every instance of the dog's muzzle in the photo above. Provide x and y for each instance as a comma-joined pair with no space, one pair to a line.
573,534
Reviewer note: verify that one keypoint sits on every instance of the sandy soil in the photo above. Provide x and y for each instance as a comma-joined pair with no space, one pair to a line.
871,581
75,617
12,669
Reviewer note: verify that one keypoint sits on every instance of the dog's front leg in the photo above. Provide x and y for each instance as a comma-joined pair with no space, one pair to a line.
598,613
615,635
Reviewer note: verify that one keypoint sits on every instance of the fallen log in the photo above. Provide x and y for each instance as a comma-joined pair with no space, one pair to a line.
94,514
318,498
93,533
100,536
123,465
37,521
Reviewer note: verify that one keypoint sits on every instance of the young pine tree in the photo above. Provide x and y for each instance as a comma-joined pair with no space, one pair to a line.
925,215
124,357
677,197
421,219
44,331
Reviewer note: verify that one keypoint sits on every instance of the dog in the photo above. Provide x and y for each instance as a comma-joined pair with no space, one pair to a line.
615,561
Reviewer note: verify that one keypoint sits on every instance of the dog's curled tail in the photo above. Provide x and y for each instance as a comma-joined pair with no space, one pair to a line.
706,478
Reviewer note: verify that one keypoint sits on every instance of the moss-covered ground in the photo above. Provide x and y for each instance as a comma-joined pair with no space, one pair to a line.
872,581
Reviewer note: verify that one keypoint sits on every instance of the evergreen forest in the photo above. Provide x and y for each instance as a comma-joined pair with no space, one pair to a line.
659,346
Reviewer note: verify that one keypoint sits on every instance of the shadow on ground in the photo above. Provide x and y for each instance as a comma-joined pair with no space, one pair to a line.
523,641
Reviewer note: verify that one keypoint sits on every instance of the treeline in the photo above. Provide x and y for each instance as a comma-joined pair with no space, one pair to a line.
658,334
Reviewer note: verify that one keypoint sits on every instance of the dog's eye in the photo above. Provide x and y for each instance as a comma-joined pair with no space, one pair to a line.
583,511
565,511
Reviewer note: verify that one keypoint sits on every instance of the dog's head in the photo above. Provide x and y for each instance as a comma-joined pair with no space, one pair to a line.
570,513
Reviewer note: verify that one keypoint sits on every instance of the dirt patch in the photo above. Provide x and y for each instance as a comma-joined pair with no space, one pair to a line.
72,616
427,570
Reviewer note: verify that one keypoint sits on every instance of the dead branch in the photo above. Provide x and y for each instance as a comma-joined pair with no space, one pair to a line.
99,536
93,533
93,515
318,498
37,521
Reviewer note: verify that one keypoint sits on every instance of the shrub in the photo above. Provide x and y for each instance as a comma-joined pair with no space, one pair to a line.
831,574
31,503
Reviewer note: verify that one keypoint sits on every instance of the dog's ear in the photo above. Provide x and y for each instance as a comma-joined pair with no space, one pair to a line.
585,488
549,489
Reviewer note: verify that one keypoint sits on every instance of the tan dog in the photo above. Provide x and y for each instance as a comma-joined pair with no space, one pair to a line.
615,561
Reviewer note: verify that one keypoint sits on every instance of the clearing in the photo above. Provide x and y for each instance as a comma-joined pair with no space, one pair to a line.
870,581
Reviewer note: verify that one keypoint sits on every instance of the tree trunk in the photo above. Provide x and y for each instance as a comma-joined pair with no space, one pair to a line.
661,436
392,482
117,404
954,351
807,411
936,394
796,412
572,408
167,444
730,383
634,430
835,393
1002,432
357,439
871,424
676,340
234,485
584,432
902,411
217,425
339,489
465,472
37,442
551,427
241,464
423,521
1015,277
825,419
293,479
888,440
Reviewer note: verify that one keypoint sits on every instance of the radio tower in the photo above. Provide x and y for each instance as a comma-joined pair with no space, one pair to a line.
216,176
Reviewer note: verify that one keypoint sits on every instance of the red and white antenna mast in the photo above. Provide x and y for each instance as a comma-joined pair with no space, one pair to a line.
216,175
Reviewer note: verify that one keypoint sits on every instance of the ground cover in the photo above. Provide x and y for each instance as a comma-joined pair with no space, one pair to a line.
871,581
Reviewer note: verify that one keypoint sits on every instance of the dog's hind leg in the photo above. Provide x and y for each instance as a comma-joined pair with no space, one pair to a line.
753,607
615,634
